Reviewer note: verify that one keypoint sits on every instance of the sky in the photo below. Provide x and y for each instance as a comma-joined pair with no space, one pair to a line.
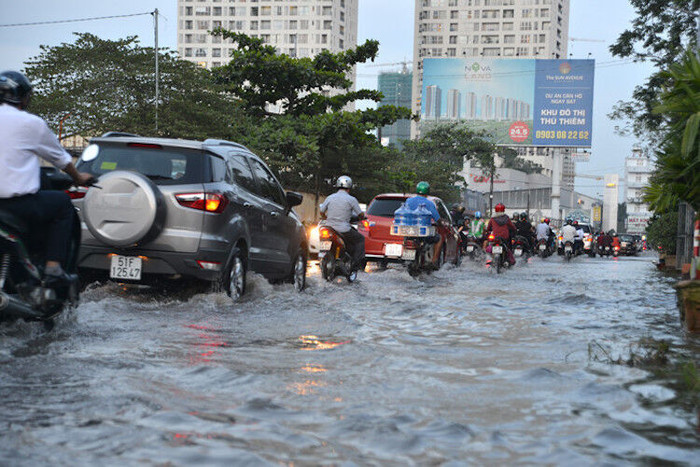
388,21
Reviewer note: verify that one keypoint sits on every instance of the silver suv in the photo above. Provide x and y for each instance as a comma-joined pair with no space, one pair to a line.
209,210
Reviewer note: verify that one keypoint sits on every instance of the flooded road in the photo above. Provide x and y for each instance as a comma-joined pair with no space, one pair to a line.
460,367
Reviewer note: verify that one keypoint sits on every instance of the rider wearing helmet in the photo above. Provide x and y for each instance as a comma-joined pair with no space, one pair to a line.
457,214
338,209
502,227
544,231
578,244
568,232
525,230
26,138
477,226
421,198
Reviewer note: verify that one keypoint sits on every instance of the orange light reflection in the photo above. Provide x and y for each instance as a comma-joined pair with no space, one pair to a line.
311,342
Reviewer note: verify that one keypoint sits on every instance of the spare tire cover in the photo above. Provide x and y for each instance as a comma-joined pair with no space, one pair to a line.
127,209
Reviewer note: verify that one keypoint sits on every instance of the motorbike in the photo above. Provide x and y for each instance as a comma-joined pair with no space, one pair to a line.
542,248
24,291
568,250
498,252
605,250
471,247
423,249
521,246
335,260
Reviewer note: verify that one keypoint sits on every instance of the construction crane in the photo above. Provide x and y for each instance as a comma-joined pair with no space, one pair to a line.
579,39
405,64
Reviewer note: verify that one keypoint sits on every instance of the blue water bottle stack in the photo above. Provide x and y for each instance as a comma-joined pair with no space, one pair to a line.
399,219
424,220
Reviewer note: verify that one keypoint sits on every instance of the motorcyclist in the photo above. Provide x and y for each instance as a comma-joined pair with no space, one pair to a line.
501,226
568,232
524,229
578,244
477,226
26,138
421,197
457,214
544,231
338,209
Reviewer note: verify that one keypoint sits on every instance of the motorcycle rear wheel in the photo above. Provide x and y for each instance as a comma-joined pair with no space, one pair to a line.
328,267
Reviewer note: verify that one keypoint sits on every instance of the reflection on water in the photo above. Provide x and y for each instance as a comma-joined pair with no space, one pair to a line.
539,365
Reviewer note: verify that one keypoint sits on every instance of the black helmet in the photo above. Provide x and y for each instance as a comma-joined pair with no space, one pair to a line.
523,216
14,87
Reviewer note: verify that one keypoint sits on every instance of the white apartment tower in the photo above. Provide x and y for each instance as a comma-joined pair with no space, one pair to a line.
487,28
298,28
493,29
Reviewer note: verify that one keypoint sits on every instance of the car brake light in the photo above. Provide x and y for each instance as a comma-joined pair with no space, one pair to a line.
209,202
492,237
144,145
324,234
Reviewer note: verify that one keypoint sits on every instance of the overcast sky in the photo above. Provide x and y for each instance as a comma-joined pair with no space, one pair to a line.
388,21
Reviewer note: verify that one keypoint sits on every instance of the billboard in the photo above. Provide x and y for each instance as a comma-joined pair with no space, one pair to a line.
524,102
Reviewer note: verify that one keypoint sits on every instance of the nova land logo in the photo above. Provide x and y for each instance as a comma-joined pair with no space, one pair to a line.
477,72
565,68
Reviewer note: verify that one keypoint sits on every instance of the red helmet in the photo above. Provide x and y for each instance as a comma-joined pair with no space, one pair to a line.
546,221
500,207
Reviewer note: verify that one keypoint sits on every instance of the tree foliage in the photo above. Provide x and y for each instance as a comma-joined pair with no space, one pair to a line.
438,157
677,173
662,231
660,33
109,85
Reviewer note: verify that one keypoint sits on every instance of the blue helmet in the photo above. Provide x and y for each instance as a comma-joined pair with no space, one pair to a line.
477,214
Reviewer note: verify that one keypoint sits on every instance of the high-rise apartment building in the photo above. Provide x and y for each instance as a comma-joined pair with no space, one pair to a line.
396,88
298,28
493,29
488,28
638,169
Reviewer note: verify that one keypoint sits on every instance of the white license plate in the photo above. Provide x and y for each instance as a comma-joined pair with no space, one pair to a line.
325,246
470,248
497,249
567,248
125,267
393,249
543,247
409,255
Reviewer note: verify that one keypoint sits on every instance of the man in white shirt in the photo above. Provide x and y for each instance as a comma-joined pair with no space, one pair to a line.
568,232
338,209
24,138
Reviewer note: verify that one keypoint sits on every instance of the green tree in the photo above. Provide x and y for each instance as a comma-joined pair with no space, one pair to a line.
297,103
660,33
109,85
662,231
439,156
677,173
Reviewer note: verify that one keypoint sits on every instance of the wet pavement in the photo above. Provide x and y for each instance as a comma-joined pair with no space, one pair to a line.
539,365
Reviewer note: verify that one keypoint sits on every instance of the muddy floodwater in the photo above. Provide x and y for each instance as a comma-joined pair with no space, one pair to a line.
460,367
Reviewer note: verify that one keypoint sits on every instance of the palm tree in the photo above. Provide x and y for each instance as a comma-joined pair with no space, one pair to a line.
677,174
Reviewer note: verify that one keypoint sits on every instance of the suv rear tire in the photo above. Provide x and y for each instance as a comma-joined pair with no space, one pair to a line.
234,276
298,273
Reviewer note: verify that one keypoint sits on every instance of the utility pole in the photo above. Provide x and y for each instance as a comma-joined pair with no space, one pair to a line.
155,16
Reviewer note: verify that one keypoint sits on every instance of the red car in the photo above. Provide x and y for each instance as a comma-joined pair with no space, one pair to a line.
383,248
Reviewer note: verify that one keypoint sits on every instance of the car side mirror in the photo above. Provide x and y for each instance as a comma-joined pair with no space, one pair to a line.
294,199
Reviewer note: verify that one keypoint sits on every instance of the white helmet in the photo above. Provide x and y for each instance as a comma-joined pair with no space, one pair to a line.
344,182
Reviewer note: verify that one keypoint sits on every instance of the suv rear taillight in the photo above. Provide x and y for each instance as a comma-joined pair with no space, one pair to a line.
209,202
76,193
